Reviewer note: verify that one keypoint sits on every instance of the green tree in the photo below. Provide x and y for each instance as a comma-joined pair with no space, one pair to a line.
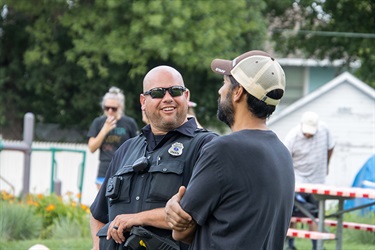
340,29
59,57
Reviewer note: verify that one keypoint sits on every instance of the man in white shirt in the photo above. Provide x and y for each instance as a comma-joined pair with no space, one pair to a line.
311,145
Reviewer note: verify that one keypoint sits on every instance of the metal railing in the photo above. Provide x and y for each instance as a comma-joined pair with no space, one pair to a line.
54,179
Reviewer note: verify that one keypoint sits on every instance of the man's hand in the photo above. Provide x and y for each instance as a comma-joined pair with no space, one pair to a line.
175,216
125,222
122,223
182,223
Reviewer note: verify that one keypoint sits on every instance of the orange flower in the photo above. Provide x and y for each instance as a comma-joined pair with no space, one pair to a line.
85,208
50,207
6,196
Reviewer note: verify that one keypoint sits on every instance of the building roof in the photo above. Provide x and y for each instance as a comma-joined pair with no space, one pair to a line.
316,62
341,79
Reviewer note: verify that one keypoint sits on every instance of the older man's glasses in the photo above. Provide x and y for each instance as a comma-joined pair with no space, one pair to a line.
174,91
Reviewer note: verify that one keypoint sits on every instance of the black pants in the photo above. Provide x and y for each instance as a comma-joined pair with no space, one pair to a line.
308,202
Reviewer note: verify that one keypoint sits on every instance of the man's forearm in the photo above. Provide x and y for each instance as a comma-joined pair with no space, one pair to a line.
154,218
95,226
186,236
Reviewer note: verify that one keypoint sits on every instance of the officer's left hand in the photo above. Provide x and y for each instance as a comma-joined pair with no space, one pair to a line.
121,224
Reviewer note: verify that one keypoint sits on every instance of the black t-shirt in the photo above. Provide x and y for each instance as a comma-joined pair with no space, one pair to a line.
248,184
126,128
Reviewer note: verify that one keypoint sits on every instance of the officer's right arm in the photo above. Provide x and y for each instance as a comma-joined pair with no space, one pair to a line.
95,225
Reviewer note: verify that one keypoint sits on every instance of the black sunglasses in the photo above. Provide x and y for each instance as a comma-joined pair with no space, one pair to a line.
114,109
174,91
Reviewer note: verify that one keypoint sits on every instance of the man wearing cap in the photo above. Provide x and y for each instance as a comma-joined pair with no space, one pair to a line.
310,144
241,192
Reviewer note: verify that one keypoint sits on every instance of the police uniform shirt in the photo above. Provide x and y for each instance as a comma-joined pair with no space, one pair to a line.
171,163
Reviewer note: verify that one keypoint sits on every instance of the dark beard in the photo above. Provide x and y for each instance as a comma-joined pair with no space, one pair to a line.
225,111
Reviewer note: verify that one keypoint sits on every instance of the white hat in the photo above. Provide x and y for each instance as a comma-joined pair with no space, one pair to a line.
309,122
257,71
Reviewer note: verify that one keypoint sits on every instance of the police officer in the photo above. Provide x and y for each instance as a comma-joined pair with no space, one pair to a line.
148,169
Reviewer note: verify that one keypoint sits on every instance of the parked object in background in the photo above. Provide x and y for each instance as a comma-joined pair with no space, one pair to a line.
364,179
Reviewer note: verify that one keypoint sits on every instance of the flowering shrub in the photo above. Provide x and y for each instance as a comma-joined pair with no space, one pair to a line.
53,210
52,207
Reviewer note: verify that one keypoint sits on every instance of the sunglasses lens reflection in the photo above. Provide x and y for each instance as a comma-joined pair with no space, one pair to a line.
174,91
157,93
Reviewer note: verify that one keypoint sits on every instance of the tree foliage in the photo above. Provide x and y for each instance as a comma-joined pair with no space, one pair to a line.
340,29
59,57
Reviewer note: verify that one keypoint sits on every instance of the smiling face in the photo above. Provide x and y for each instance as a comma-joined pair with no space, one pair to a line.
166,113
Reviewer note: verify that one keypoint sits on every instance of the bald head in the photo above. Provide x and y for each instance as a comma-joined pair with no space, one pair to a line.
162,75
166,112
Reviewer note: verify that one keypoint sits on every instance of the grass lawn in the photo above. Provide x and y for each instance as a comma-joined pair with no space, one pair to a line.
85,244
305,244
65,244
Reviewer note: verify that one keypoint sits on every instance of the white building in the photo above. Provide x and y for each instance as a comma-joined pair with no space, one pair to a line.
347,105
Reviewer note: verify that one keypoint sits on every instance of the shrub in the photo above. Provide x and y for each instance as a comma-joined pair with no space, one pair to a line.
18,222
65,228
54,213
53,208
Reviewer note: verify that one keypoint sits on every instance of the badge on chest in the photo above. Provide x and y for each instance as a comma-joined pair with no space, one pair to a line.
176,149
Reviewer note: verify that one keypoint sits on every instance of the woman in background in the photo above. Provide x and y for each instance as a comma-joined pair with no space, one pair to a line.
110,130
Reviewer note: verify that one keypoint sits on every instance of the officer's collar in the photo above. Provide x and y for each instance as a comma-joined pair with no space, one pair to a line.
186,128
